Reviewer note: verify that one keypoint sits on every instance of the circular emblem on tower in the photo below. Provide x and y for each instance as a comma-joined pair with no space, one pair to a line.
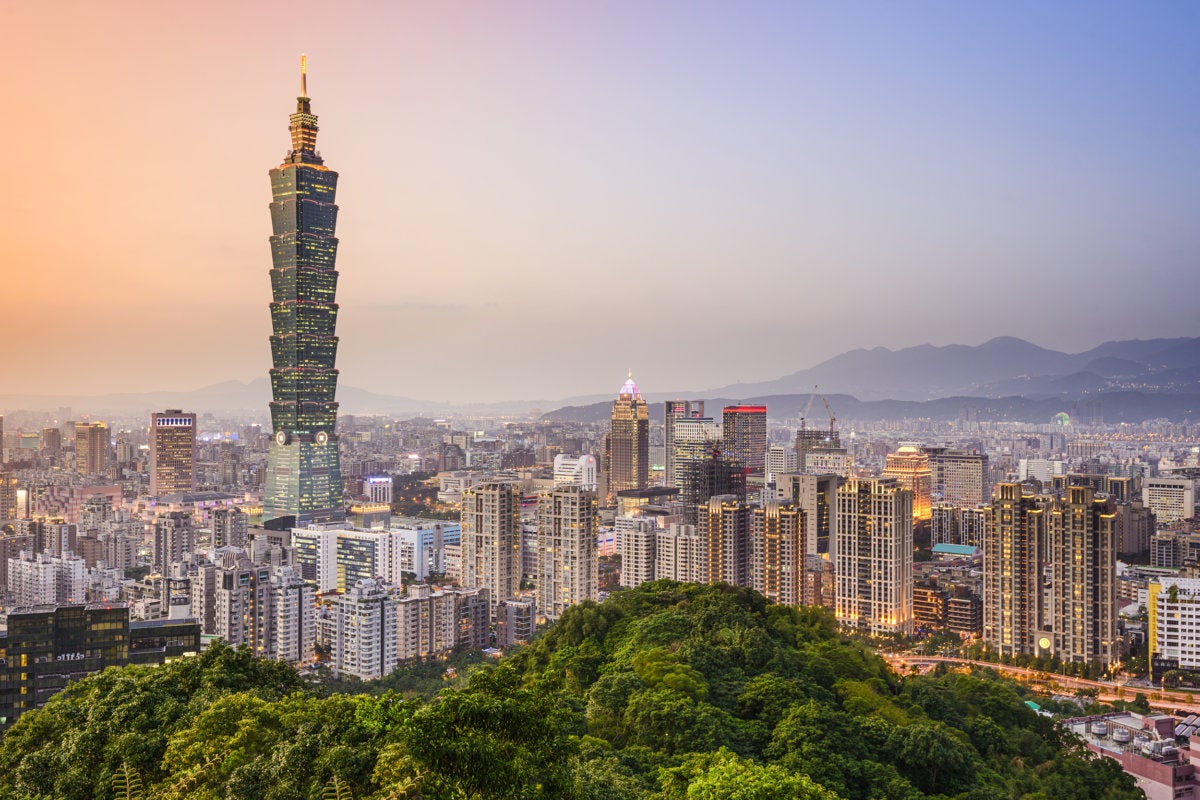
322,437
281,437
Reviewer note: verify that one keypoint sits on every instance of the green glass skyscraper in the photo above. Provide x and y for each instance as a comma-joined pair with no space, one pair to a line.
304,476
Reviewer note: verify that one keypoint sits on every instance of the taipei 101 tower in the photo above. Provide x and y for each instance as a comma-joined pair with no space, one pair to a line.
304,476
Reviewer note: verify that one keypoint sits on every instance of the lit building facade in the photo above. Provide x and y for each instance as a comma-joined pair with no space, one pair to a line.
910,467
304,478
744,430
567,571
673,411
627,449
777,556
1013,600
491,540
873,556
172,452
92,448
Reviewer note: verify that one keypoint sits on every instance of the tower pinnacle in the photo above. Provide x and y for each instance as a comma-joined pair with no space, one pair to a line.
303,75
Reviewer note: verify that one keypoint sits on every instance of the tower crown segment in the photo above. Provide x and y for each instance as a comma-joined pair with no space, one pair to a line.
303,125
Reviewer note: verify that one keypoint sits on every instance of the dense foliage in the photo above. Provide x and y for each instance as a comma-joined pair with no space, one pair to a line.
670,691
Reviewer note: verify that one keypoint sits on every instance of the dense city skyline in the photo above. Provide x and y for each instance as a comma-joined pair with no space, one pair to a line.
547,179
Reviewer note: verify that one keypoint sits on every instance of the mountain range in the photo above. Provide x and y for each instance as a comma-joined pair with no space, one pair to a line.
1004,378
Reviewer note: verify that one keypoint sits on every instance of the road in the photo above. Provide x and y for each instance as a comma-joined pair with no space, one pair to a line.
1108,691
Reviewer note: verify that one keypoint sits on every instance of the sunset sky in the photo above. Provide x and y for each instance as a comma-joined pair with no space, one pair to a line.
537,196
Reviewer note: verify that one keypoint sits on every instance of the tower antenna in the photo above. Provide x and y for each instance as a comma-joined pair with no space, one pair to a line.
303,75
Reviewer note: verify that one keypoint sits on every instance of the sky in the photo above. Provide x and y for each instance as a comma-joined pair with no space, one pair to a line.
537,196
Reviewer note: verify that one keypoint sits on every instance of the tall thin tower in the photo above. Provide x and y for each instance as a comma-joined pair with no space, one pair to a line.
304,476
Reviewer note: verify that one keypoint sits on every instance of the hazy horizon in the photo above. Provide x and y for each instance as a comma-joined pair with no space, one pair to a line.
537,197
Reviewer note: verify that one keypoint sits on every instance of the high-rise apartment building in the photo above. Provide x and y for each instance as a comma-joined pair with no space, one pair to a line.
777,556
567,571
230,527
744,430
92,448
427,623
816,496
673,411
723,525
636,538
51,442
627,449
1013,553
1083,562
174,535
8,496
873,556
172,452
957,525
910,467
366,640
491,540
680,554
304,478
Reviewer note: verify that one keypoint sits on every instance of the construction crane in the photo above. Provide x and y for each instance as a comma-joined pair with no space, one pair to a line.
804,413
832,417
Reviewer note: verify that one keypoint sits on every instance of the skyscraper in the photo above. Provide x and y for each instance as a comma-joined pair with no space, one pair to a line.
627,451
873,555
673,411
910,467
1083,562
92,448
567,562
491,540
745,435
172,452
1013,600
304,477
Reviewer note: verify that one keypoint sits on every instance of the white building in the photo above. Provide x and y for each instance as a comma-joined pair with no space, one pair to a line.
680,554
379,489
1174,627
427,623
295,624
781,459
491,540
366,638
636,538
579,471
1171,499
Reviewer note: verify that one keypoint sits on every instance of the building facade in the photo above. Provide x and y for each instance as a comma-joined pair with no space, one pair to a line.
567,571
304,479
627,450
172,452
873,556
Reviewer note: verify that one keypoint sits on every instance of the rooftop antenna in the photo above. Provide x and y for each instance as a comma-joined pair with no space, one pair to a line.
303,75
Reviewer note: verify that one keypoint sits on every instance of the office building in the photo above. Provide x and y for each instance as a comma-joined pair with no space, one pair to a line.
873,556
781,460
92,448
47,647
810,439
491,540
627,449
673,411
958,478
777,554
304,479
581,471
744,431
172,452
1170,499
567,569
379,489
910,467
51,442
708,475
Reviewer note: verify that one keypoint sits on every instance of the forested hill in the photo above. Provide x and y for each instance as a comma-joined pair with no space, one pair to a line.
671,691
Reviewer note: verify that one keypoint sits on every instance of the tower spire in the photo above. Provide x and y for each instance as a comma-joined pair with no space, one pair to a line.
303,75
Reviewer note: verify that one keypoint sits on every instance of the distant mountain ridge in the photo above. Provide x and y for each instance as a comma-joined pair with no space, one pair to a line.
1001,366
